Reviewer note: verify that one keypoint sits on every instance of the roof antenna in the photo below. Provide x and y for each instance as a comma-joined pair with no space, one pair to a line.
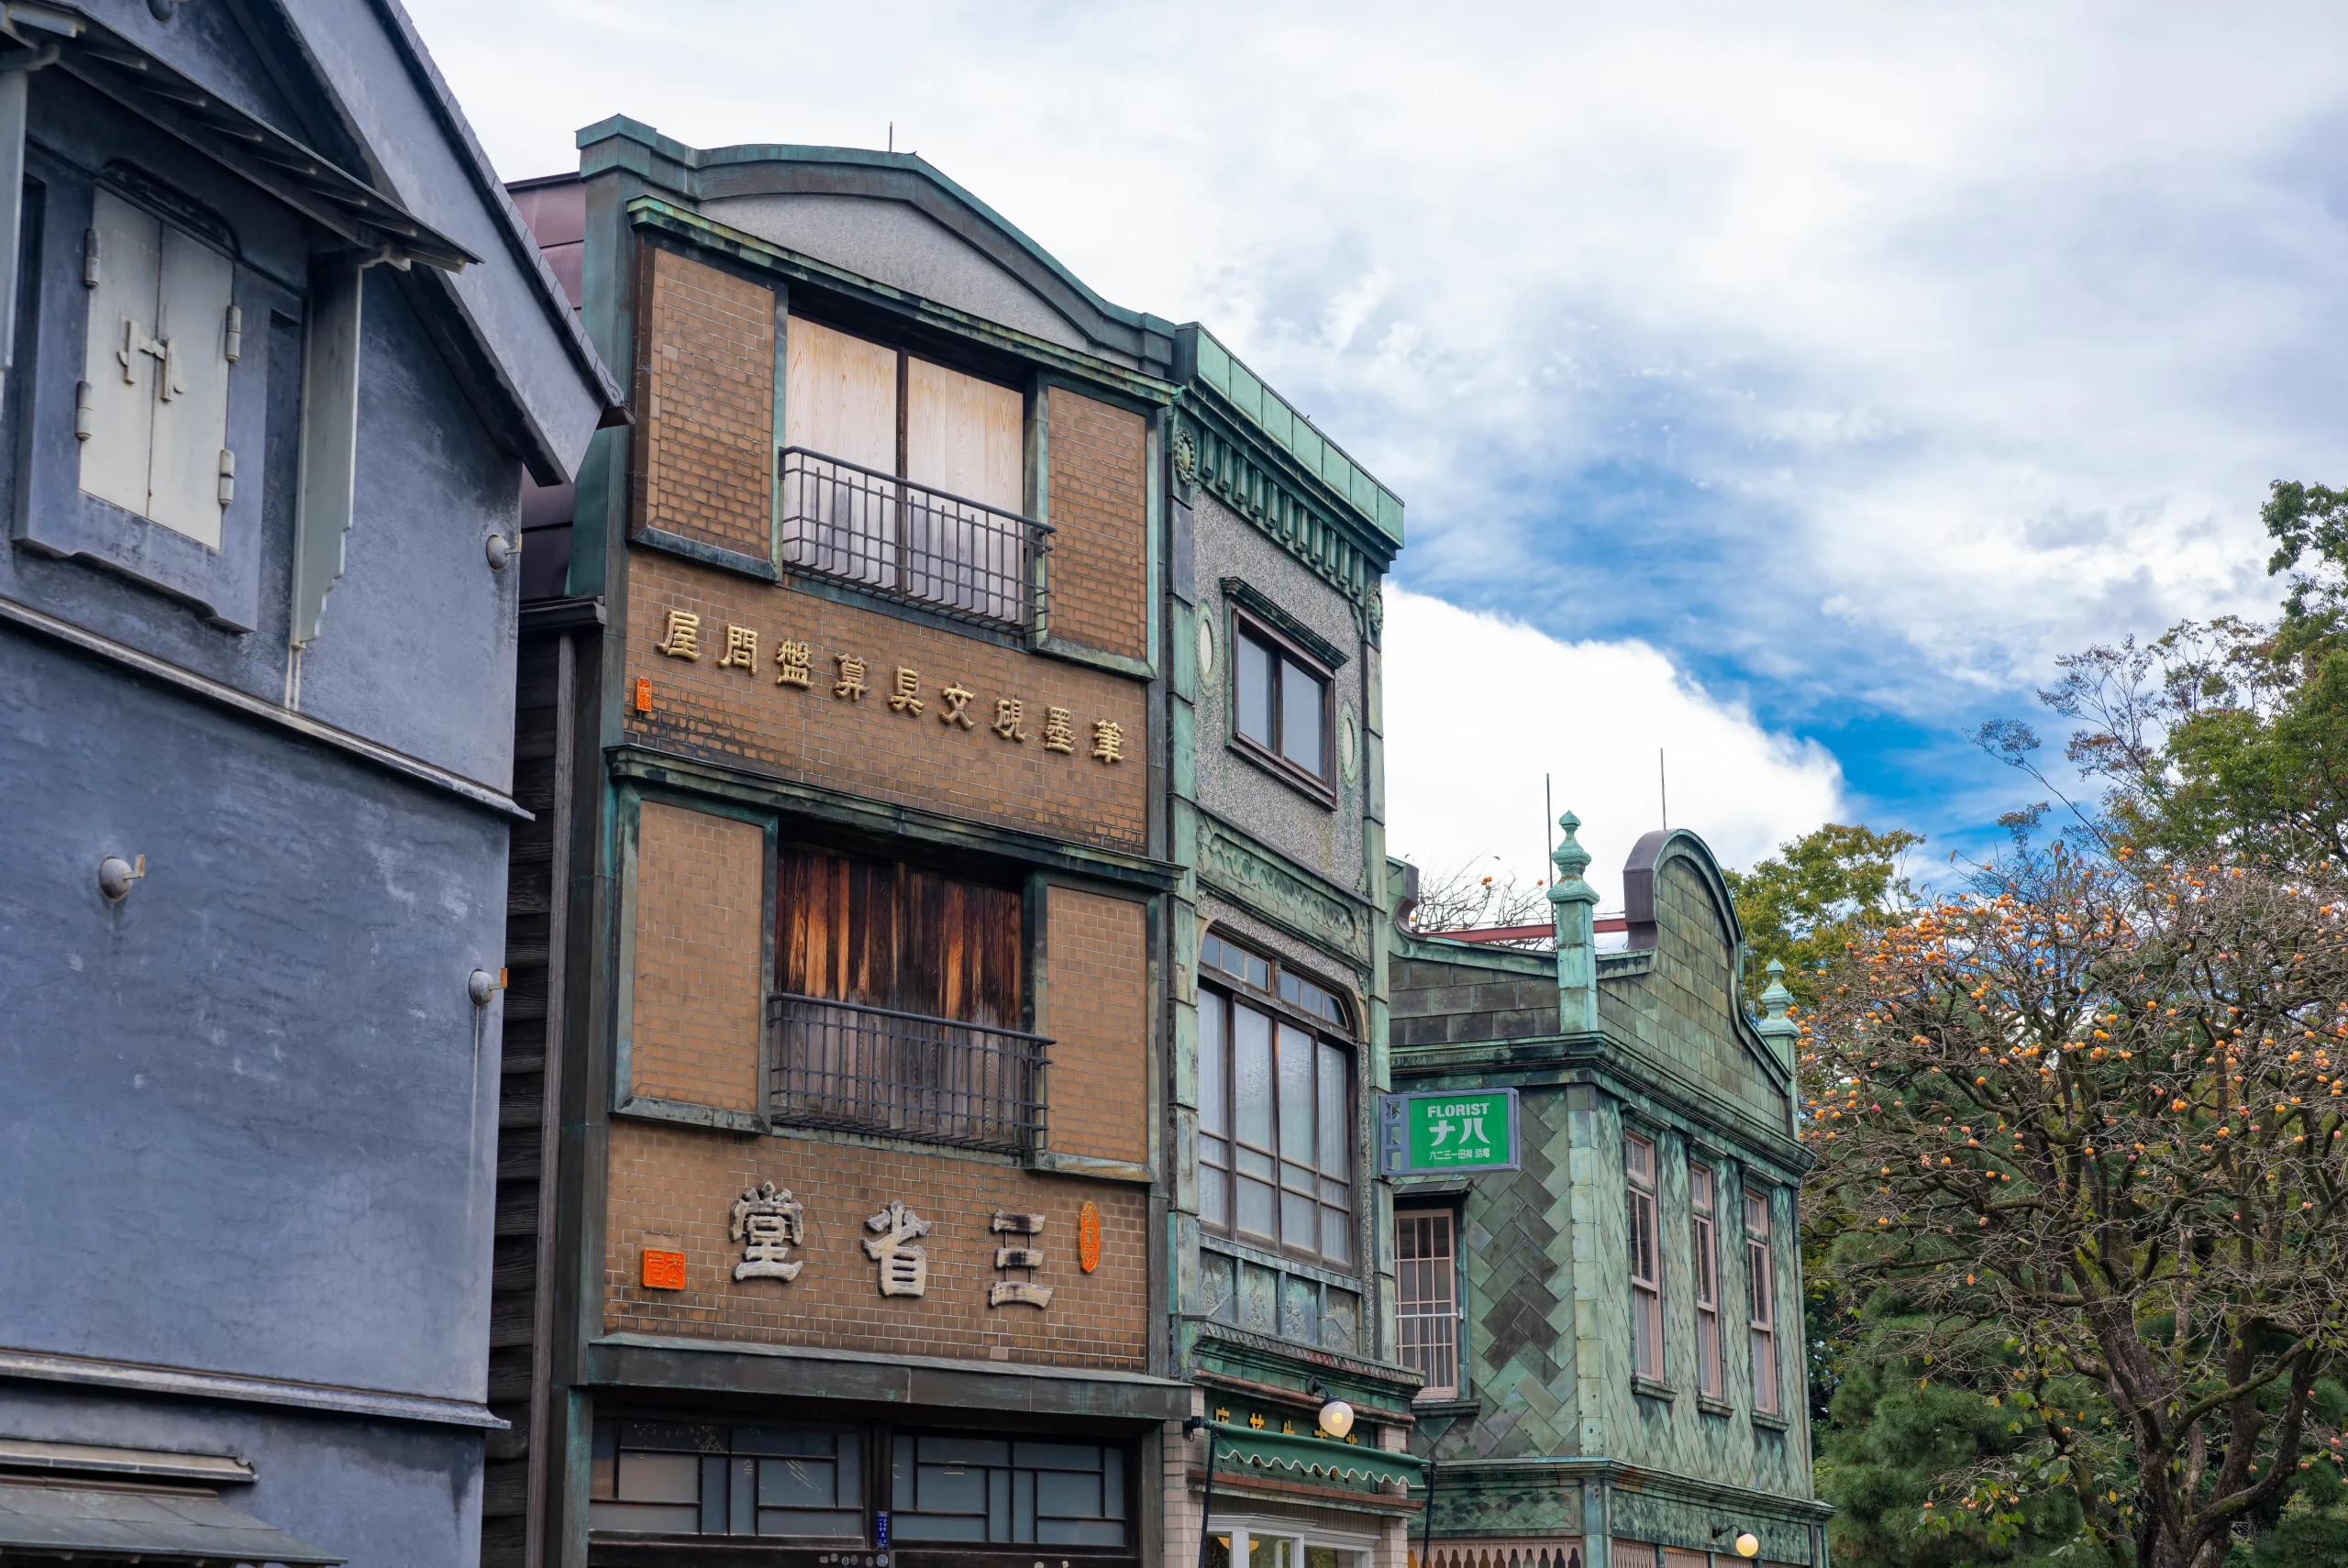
1548,816
892,135
1663,788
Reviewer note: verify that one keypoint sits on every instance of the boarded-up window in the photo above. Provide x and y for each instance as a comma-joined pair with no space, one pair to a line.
902,474
882,933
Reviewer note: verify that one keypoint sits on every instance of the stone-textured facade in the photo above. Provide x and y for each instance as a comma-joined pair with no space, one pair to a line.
1555,1445
1279,539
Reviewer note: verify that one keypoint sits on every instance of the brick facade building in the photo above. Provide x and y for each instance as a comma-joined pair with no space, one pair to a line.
834,1205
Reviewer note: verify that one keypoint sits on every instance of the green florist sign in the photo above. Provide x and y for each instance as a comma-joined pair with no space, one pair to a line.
1425,1132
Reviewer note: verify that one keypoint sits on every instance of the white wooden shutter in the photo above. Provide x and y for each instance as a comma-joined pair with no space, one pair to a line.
154,432
184,493
122,261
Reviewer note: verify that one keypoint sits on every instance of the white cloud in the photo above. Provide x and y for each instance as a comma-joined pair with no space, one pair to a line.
1478,707
1875,354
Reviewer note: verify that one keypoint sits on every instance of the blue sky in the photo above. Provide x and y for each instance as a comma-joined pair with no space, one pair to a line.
1784,386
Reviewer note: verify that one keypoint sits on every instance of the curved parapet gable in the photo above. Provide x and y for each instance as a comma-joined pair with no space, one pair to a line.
1676,992
892,217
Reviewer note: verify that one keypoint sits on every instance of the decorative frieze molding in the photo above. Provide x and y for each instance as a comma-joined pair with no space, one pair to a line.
1312,909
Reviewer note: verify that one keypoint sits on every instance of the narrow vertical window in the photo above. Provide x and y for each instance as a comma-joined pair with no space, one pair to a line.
1646,1266
1762,1271
1214,1111
1705,1225
1426,1310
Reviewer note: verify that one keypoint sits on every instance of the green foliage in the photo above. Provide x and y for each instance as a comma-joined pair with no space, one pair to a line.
1896,1439
1804,905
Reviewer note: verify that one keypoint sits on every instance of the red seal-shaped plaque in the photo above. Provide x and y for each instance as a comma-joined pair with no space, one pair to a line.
1088,1238
663,1270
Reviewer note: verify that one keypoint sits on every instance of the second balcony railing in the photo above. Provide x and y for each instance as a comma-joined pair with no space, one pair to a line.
961,557
902,1074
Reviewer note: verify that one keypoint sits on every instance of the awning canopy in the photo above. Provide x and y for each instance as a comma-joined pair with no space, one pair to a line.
106,1524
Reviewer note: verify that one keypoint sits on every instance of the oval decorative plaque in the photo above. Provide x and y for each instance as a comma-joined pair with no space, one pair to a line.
1088,1238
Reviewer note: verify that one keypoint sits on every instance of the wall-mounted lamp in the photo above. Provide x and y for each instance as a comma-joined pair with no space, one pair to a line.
1747,1543
115,874
1336,1417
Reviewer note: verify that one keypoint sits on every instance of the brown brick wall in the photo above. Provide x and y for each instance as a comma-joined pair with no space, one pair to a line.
1100,1026
700,923
709,406
1099,510
741,715
677,1185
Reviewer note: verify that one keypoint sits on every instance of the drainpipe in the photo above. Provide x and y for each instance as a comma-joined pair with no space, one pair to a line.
1427,1525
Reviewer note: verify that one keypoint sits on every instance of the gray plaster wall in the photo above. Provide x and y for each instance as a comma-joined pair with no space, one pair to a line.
388,1495
1324,840
895,243
415,647
252,1111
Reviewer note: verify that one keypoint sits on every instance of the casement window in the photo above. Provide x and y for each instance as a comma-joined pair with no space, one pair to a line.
1761,1271
1275,1112
972,1489
905,476
1426,1306
899,1002
711,1478
1704,1226
144,378
1279,703
1645,1259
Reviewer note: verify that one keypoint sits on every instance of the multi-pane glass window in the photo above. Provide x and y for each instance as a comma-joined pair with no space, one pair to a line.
1706,1238
1281,701
1426,1308
1276,1136
1647,1264
1265,1543
1763,1273
1248,969
692,1478
1007,1491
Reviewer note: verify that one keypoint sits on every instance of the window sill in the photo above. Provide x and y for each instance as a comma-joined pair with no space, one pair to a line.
1311,785
1774,1423
1654,1389
1712,1406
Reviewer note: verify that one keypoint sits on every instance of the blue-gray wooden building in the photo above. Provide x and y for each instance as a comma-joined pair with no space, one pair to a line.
280,356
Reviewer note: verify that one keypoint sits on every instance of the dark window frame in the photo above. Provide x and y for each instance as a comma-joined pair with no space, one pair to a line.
1230,994
1322,786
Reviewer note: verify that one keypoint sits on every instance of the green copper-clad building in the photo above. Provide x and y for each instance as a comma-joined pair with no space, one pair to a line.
1610,1335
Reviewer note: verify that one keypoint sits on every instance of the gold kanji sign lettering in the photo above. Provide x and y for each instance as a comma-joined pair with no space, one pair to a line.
850,684
1008,713
1059,730
681,638
907,698
791,664
957,700
741,649
1108,741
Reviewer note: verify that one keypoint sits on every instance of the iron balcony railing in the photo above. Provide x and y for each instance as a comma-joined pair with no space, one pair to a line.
958,557
937,1080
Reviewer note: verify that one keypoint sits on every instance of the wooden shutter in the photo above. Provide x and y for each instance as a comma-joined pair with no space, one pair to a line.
879,933
965,437
840,396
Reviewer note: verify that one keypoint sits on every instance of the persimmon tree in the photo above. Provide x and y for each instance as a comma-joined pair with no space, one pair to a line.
2087,1126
